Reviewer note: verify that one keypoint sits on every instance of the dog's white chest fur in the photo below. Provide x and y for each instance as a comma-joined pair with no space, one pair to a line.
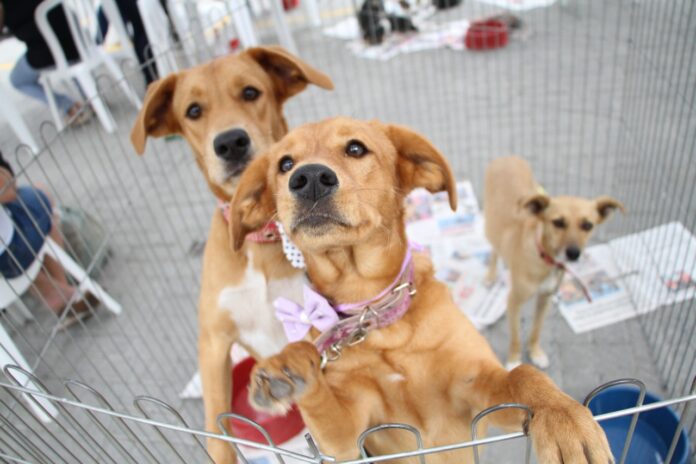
551,283
250,307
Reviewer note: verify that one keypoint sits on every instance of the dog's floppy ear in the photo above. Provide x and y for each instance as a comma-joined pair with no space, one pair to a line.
253,203
289,73
155,118
537,203
606,205
420,164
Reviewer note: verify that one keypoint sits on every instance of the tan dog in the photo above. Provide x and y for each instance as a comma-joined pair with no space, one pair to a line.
229,110
534,234
338,188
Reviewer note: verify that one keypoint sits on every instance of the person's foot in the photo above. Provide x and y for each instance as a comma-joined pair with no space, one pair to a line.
57,297
82,309
77,115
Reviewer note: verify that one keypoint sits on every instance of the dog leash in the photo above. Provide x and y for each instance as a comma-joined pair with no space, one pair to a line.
347,325
548,259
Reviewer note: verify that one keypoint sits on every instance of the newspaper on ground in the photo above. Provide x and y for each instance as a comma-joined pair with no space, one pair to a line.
610,301
632,275
429,36
626,277
459,250
519,5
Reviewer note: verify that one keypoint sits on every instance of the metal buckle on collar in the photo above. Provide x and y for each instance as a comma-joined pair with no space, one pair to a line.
411,289
330,354
358,336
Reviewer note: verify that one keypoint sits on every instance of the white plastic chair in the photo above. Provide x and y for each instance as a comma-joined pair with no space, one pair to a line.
243,23
14,118
116,23
11,291
92,56
157,29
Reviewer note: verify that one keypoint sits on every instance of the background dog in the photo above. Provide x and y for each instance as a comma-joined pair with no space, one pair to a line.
229,110
338,188
534,234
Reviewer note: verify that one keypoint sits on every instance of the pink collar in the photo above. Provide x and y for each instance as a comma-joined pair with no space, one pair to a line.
347,324
267,234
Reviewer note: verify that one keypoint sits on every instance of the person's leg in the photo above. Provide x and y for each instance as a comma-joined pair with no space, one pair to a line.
46,205
54,294
25,79
51,283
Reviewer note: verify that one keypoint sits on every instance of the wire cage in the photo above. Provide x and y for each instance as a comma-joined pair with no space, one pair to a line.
598,96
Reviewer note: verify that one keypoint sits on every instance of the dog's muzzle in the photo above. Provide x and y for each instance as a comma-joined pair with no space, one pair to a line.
313,182
572,253
234,148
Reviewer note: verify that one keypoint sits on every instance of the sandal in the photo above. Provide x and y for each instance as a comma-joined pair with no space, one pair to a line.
82,309
78,115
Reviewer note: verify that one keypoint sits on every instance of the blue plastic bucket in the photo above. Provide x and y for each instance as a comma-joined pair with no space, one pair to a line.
654,429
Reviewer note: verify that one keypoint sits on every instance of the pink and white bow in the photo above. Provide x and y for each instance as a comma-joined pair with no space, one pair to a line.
297,320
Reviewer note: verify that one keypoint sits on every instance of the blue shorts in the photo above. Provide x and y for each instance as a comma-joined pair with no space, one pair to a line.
31,216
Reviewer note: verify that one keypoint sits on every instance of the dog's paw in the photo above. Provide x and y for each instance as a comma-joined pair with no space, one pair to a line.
568,433
279,381
513,362
539,358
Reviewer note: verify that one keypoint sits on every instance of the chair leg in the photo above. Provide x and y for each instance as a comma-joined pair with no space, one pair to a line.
118,76
20,128
79,274
243,23
10,355
90,89
23,310
48,89
312,10
281,27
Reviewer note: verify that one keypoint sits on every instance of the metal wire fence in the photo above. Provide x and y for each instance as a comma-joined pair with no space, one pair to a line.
88,429
599,96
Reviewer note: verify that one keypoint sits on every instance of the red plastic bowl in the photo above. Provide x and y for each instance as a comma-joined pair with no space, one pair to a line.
486,35
280,428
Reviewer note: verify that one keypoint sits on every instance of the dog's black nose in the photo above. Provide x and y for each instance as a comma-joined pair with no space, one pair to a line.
313,181
232,145
572,253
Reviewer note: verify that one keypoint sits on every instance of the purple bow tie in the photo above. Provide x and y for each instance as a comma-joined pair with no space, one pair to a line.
297,320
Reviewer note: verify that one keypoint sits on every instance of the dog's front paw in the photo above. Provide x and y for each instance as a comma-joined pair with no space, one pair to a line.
567,433
539,358
279,381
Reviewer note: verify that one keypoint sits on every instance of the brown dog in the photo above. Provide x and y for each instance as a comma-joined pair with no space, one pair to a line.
338,189
534,234
229,110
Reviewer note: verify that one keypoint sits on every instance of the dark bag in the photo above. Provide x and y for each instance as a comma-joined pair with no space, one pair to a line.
86,240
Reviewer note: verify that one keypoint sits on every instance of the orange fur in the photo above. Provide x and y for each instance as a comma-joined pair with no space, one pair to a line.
518,216
228,274
431,369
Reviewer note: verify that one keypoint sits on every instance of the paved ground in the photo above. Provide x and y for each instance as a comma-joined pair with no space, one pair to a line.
599,101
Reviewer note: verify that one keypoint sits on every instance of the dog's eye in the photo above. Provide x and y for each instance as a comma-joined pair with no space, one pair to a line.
356,149
286,163
559,223
586,226
250,93
194,111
